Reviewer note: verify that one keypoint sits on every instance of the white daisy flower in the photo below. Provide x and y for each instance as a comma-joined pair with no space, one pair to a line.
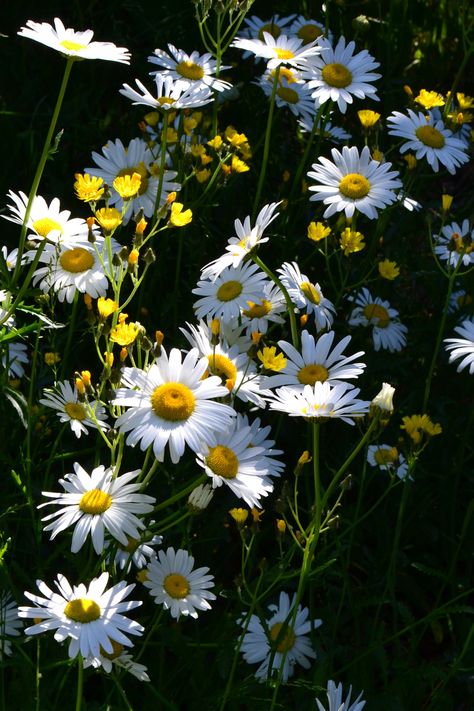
235,369
46,221
260,439
460,299
334,694
320,401
245,240
306,295
236,462
10,623
338,74
170,404
117,160
10,257
191,70
90,616
429,139
76,268
308,30
335,134
282,640
353,182
258,315
462,348
293,95
118,658
170,95
137,551
387,331
13,356
289,51
316,362
229,293
97,503
456,242
80,415
200,498
73,44
387,459
175,585
384,398
255,27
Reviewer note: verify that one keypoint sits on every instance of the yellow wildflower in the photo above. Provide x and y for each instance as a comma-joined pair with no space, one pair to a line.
281,526
197,149
234,138
106,307
351,241
368,118
108,218
239,515
256,514
128,186
88,187
446,202
189,124
133,257
270,360
203,175
51,358
377,155
317,231
215,142
429,99
464,101
417,425
152,118
178,217
109,359
388,270
141,226
410,161
125,333
239,166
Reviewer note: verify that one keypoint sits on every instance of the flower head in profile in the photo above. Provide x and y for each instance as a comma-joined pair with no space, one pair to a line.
428,138
306,295
335,702
10,623
283,642
168,95
90,616
175,585
97,503
338,74
321,401
80,414
73,44
137,551
283,50
353,182
384,399
462,349
387,331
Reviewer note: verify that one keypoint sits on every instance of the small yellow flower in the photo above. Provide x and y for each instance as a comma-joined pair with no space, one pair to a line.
410,161
234,138
417,425
256,514
108,218
88,187
128,186
377,155
106,307
239,166
368,118
109,359
429,99
203,175
80,387
141,226
178,217
51,358
205,159
464,101
152,118
270,360
239,515
351,241
123,354
215,142
171,135
281,526
256,337
317,231
86,378
446,202
133,257
305,458
125,333
215,326
189,124
197,149
388,270
304,320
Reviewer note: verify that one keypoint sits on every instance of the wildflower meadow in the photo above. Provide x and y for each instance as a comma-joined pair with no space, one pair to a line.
237,355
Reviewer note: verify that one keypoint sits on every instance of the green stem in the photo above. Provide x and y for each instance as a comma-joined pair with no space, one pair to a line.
289,304
266,145
164,140
80,683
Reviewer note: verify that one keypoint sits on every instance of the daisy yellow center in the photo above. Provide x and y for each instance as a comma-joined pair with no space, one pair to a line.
308,33
142,172
229,290
76,260
173,402
288,95
190,70
375,311
82,610
354,186
132,545
117,650
310,291
162,100
313,373
95,502
45,225
284,53
72,46
285,641
386,456
176,586
336,75
223,461
430,136
222,366
75,410
258,310
272,30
